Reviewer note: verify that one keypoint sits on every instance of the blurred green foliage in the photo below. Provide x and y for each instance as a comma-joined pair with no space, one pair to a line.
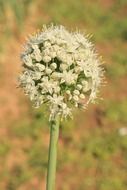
4,149
16,177
119,66
18,8
117,112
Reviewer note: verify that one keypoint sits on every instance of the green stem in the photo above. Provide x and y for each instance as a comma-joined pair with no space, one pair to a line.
54,135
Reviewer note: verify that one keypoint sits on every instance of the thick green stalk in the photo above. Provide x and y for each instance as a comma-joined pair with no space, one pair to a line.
54,135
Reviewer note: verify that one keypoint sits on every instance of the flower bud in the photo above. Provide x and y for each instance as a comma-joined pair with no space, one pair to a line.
46,59
82,96
48,71
40,67
68,92
63,67
76,92
52,55
75,97
47,44
79,86
53,66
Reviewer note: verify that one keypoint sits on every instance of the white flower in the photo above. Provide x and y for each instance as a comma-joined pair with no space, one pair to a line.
37,53
68,77
47,85
52,54
86,86
63,66
55,48
48,71
27,60
55,75
39,66
46,58
79,86
57,100
37,75
47,44
60,68
66,111
46,52
78,69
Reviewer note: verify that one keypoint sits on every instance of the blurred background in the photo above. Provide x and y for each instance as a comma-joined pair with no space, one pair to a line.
93,146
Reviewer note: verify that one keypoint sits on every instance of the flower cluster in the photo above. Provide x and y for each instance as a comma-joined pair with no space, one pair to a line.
61,69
